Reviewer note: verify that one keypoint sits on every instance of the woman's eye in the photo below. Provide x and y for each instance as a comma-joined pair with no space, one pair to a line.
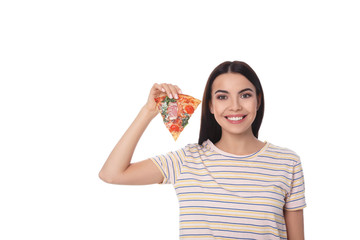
221,97
246,95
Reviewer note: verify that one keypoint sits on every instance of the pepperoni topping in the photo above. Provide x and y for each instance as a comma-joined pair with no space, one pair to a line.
189,109
174,128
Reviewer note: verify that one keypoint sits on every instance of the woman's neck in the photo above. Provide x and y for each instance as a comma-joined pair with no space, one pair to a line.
239,144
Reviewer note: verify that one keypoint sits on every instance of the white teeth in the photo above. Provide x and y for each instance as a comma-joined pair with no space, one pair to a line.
235,118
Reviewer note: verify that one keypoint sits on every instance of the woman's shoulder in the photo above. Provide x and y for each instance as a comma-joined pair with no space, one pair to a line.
282,151
197,148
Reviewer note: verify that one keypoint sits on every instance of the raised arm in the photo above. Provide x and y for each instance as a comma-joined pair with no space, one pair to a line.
118,168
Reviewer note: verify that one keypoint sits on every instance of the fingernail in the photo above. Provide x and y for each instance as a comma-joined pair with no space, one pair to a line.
180,91
170,96
176,96
163,90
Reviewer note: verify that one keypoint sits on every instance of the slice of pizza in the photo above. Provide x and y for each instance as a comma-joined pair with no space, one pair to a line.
176,112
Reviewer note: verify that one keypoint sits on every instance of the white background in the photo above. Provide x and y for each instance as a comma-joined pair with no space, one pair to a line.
74,74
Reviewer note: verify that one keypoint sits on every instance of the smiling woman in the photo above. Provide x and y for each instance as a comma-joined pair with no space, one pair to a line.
230,185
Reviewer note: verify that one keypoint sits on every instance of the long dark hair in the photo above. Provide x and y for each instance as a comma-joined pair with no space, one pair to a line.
209,128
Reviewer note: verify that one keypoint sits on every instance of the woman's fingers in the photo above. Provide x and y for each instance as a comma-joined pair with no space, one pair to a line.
168,90
171,90
178,89
157,87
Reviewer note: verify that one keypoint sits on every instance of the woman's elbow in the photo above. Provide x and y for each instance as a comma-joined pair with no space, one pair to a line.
106,177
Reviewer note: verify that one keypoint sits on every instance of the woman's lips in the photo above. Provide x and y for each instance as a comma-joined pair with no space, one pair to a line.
235,119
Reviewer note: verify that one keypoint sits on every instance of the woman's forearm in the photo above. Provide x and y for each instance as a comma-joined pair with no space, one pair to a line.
295,224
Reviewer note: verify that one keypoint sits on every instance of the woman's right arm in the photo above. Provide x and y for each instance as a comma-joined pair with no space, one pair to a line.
118,168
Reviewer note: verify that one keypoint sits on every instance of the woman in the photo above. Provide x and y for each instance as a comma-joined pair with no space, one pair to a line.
230,185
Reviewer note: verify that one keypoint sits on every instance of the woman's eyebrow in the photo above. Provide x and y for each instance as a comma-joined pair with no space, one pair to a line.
245,89
222,91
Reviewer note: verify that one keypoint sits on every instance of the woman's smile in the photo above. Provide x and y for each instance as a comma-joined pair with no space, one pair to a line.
236,119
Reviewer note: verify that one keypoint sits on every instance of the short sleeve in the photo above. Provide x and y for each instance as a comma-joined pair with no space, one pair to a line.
295,199
170,165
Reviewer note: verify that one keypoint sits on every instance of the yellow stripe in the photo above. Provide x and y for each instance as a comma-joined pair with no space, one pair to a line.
281,158
233,225
192,183
175,162
242,199
257,200
256,176
162,172
281,148
163,161
243,228
202,236
297,183
291,154
208,236
250,164
202,172
295,209
296,196
297,169
282,153
246,214
225,215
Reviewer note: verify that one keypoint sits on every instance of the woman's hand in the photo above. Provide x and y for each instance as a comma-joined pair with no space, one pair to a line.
157,90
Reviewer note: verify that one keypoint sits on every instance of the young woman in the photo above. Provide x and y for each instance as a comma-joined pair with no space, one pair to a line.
230,185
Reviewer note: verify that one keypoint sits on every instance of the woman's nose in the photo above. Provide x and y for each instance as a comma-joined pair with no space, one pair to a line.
235,104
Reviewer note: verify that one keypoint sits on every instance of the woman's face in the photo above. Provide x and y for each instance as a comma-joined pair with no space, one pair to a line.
234,103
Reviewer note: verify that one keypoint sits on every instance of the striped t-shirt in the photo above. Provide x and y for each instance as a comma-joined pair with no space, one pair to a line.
226,196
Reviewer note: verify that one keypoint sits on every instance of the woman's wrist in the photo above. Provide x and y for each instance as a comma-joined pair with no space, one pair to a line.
148,113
